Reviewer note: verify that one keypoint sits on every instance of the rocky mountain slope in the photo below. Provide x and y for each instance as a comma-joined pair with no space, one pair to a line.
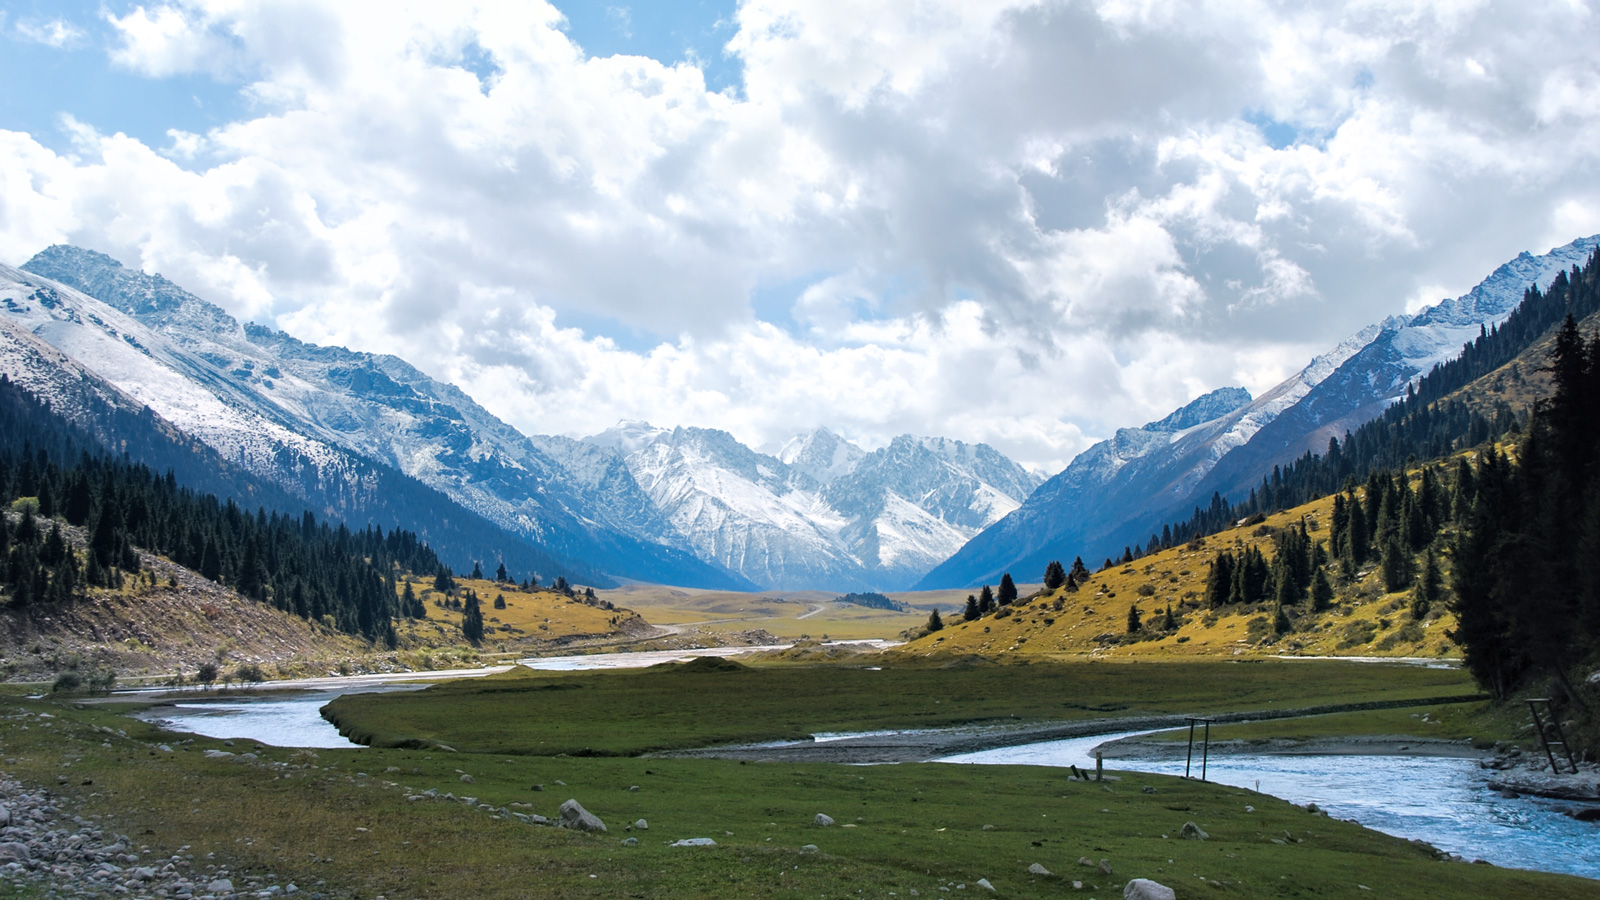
823,512
301,416
1115,492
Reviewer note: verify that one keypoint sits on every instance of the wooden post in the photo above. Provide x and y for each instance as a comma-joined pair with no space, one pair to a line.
1189,760
1099,766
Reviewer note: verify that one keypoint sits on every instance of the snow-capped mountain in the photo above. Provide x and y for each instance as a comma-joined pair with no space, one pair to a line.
284,409
823,512
1114,492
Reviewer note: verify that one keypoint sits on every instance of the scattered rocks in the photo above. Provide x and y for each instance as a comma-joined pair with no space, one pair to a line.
220,886
574,816
217,754
1037,869
1192,832
1145,889
823,820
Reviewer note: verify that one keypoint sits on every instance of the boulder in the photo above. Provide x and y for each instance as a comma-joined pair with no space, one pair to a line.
466,779
14,851
823,820
574,816
1192,832
809,848
984,883
5,815
1037,869
1103,867
642,825
630,842
1145,889
220,886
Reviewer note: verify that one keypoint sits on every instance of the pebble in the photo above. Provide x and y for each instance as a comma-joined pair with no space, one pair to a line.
66,855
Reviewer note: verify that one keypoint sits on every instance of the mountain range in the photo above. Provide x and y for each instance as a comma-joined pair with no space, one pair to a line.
326,425
1119,491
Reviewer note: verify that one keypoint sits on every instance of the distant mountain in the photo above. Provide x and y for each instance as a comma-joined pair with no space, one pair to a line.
305,417
823,513
1114,493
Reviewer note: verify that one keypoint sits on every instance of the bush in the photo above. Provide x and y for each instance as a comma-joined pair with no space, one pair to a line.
1146,590
67,683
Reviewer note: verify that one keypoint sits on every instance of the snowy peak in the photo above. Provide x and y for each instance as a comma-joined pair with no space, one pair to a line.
1202,409
627,436
821,454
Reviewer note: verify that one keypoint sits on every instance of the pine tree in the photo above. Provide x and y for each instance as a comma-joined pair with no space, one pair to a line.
1280,622
499,601
971,612
1426,592
934,622
1133,619
1080,572
1219,582
1169,622
1321,591
472,620
443,582
985,601
1396,563
500,573
1054,575
1008,590
477,571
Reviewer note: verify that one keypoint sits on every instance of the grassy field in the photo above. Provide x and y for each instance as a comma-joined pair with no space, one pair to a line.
1447,722
339,821
786,614
704,703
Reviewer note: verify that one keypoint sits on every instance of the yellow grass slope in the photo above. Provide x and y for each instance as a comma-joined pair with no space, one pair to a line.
1093,621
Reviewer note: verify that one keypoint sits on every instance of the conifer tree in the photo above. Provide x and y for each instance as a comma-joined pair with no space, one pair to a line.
1134,623
1008,591
500,573
1054,575
934,622
1425,594
477,571
971,612
1321,591
985,601
472,620
499,601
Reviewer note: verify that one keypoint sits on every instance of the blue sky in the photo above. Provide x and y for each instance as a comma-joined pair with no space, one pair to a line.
1026,222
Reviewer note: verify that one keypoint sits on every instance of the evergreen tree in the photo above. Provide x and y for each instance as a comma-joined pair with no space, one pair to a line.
934,622
477,571
1396,563
499,601
1425,594
971,612
1134,623
1054,575
1008,590
472,620
1219,582
443,582
1169,622
1080,572
500,573
1321,591
1280,622
985,601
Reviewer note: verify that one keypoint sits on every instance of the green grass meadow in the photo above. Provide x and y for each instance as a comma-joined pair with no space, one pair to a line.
339,821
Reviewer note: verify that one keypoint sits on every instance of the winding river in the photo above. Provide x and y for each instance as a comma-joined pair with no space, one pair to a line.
1441,800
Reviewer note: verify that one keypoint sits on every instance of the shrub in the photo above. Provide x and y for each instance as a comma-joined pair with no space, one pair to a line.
67,683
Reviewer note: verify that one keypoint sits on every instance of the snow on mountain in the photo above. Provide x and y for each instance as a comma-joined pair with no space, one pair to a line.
823,512
821,454
1115,491
268,400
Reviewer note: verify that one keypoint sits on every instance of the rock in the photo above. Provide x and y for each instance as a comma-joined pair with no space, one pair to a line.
466,779
574,816
1037,869
984,883
217,754
14,851
220,886
693,842
538,787
823,820
1103,867
630,842
1588,814
633,787
1192,832
144,873
988,828
1148,789
642,825
1145,889
809,848
5,815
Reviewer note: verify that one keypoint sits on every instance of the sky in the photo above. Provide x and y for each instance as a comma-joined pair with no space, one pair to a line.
1022,223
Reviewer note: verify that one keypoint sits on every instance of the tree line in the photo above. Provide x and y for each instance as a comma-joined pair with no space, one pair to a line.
318,571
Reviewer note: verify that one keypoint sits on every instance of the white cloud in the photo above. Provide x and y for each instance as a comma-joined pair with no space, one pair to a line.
1028,223
57,33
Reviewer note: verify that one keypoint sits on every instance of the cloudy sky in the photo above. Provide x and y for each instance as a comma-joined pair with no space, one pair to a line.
1024,223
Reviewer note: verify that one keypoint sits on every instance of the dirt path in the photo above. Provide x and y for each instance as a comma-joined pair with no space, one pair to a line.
930,744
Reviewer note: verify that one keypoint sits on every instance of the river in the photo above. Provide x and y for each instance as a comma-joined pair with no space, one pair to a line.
1441,800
